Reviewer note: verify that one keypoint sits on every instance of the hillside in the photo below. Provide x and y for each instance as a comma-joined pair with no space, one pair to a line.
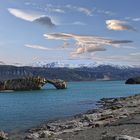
102,72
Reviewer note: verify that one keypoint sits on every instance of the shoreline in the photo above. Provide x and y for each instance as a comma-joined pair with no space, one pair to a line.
109,111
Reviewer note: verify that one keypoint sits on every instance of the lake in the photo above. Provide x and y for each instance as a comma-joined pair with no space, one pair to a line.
22,110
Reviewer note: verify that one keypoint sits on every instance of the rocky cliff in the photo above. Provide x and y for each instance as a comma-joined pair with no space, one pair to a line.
30,83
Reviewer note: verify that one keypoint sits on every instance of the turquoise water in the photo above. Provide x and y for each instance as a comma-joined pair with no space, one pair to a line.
22,110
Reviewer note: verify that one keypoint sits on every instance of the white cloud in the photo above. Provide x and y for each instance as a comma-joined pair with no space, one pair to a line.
31,16
88,49
119,25
83,10
27,3
54,8
109,13
135,54
65,45
37,47
58,36
58,10
79,50
2,63
136,19
130,58
24,14
78,23
87,11
87,44
94,48
61,9
129,47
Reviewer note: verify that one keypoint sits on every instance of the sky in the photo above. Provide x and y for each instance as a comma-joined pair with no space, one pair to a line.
70,31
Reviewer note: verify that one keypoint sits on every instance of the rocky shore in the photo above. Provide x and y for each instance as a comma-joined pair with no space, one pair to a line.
115,119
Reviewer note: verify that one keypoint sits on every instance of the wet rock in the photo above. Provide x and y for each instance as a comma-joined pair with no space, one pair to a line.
121,137
116,107
45,134
53,128
92,111
92,117
106,117
33,136
3,135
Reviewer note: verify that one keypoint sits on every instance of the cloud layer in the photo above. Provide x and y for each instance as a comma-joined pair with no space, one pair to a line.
86,44
119,25
36,47
31,16
131,58
44,20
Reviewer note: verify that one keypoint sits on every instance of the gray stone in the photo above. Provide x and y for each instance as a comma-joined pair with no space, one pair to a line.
3,135
33,136
121,137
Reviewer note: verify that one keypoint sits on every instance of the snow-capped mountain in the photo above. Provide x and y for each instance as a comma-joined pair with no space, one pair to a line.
80,72
88,65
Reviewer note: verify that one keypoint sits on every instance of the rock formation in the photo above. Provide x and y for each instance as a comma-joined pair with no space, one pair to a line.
30,83
135,80
59,84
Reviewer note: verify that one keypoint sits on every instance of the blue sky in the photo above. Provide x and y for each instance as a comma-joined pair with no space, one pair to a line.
74,31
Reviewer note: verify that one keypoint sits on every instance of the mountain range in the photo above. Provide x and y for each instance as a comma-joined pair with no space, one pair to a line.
69,73
58,64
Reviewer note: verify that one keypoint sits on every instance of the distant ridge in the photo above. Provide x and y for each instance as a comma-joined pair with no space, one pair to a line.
82,73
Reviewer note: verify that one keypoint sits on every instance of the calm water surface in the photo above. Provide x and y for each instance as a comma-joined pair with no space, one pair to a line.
22,110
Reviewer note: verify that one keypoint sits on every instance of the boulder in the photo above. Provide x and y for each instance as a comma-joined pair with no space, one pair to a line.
33,136
135,80
3,135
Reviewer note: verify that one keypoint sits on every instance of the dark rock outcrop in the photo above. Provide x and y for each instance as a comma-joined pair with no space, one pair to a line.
30,83
135,80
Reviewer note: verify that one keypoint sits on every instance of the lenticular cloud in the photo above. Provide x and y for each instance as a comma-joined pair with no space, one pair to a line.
31,16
